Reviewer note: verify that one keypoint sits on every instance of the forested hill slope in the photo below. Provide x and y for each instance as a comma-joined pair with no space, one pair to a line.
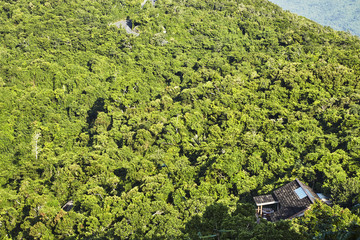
169,134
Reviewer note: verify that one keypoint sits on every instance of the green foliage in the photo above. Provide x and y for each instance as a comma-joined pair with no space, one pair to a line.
325,222
160,135
219,222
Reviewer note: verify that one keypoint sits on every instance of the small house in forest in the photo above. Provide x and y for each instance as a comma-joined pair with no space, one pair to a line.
286,202
68,206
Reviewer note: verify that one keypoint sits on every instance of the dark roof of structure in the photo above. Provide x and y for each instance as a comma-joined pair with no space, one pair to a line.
264,199
68,206
294,198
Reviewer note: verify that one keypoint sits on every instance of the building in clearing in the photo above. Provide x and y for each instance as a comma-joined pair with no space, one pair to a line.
287,202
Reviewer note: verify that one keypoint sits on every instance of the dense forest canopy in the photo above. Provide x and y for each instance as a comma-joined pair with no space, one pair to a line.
168,133
341,15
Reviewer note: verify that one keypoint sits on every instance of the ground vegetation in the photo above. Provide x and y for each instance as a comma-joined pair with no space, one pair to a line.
168,133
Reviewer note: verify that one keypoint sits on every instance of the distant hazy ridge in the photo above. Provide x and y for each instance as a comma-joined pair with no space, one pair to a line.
340,15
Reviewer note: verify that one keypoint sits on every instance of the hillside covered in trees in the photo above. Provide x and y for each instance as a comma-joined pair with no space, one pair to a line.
169,132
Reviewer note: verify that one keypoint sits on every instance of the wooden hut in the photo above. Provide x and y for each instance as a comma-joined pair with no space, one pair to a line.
286,202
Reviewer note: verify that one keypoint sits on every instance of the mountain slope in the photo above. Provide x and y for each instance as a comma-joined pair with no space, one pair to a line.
340,15
211,103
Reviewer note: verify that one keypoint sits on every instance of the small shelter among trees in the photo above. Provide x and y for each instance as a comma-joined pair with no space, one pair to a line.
68,206
286,202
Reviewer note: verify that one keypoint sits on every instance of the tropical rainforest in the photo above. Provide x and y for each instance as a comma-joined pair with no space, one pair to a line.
340,15
169,133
